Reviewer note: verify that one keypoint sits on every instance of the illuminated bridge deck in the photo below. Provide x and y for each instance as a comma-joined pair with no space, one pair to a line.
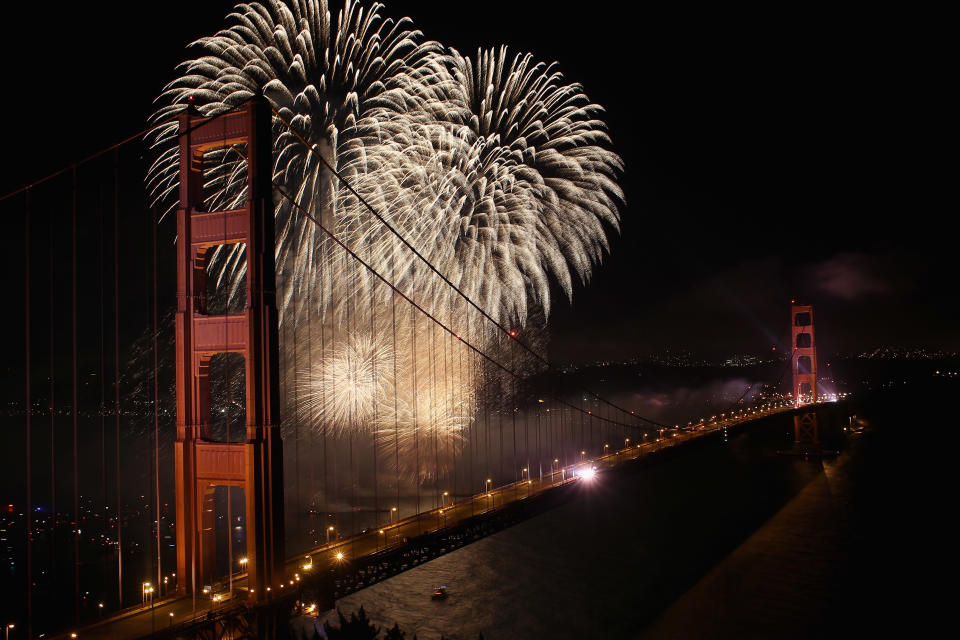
170,614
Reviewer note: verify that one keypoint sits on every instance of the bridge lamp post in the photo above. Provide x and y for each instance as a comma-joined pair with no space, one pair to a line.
445,494
7,629
329,531
148,593
243,564
582,455
171,619
606,448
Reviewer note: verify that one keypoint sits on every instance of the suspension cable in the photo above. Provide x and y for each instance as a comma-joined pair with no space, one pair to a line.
511,334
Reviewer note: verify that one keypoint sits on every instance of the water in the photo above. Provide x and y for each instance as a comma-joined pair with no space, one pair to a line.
730,539
606,563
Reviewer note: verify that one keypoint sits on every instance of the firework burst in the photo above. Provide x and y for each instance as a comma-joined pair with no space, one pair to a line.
493,168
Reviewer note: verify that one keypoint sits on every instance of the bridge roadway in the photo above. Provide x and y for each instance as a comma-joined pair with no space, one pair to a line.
141,621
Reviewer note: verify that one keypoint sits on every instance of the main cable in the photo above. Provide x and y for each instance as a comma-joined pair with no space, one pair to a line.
419,308
507,332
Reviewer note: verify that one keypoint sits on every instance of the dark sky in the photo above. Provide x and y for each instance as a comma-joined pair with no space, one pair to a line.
773,153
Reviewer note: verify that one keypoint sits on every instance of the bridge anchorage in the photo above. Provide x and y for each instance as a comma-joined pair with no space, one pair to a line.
202,463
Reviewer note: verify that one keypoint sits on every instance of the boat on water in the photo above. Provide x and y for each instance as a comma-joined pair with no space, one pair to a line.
440,593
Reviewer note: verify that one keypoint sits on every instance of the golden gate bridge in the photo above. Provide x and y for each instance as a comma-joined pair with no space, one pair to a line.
233,544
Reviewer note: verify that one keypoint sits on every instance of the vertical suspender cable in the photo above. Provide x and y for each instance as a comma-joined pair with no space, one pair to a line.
291,384
376,425
116,362
100,374
28,412
513,415
500,449
310,420
156,402
323,397
414,402
396,387
53,449
433,415
76,488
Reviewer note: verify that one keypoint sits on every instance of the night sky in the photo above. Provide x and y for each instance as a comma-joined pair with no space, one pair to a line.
778,153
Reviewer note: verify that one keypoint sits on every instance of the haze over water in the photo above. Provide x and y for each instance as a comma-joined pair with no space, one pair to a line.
610,563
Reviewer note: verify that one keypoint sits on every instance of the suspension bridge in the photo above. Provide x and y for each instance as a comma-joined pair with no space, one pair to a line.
233,446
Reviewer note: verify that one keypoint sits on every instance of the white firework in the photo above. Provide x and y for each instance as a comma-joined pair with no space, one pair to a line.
494,169
417,400
501,176
321,76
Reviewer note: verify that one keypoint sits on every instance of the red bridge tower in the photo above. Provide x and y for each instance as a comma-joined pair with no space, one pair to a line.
256,464
804,365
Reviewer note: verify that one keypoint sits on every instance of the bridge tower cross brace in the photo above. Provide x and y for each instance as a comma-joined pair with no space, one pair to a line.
256,463
804,365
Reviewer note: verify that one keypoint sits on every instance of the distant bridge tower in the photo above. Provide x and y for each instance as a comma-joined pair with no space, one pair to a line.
256,463
804,365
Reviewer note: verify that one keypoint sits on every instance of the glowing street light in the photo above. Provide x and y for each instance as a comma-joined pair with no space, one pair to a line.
8,627
330,530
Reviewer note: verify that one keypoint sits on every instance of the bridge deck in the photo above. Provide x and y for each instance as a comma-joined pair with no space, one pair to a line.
183,610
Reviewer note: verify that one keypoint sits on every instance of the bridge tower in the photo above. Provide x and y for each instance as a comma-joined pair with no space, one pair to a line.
256,463
804,365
